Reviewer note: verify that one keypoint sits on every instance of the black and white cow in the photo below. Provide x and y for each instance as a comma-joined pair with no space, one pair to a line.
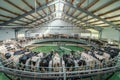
69,62
44,63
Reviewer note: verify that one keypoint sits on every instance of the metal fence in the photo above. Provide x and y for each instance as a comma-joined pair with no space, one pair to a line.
63,73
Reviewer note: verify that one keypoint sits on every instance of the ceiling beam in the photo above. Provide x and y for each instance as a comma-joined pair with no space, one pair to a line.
41,18
44,22
68,10
73,12
27,18
18,23
94,21
6,16
47,1
27,4
40,6
107,18
104,6
97,23
91,4
112,16
89,19
89,25
115,21
39,14
67,20
79,25
28,13
89,13
4,9
111,11
23,21
2,20
8,1
84,16
69,7
80,4
37,25
29,7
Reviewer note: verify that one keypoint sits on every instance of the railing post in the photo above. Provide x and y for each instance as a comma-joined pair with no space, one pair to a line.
118,61
64,72
119,39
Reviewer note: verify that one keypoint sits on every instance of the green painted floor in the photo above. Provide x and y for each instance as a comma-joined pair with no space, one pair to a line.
60,50
116,76
3,77
47,49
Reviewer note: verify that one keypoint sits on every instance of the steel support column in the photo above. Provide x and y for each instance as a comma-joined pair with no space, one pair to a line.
100,33
16,33
26,33
119,39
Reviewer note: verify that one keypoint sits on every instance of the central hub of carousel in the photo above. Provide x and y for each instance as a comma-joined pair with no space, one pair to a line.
60,57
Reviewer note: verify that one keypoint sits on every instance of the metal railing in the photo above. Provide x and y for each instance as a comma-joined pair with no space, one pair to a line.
28,74
79,71
42,40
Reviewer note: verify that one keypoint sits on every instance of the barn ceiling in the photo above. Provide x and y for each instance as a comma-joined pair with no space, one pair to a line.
85,13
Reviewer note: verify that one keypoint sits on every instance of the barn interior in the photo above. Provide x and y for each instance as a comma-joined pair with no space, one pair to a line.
59,39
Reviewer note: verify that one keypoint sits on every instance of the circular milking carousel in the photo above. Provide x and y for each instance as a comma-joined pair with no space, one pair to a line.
63,58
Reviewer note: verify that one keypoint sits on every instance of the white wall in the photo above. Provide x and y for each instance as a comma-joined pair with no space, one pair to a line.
94,33
21,33
110,34
7,34
85,35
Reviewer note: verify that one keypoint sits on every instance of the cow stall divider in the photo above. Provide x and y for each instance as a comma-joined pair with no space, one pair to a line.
61,74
